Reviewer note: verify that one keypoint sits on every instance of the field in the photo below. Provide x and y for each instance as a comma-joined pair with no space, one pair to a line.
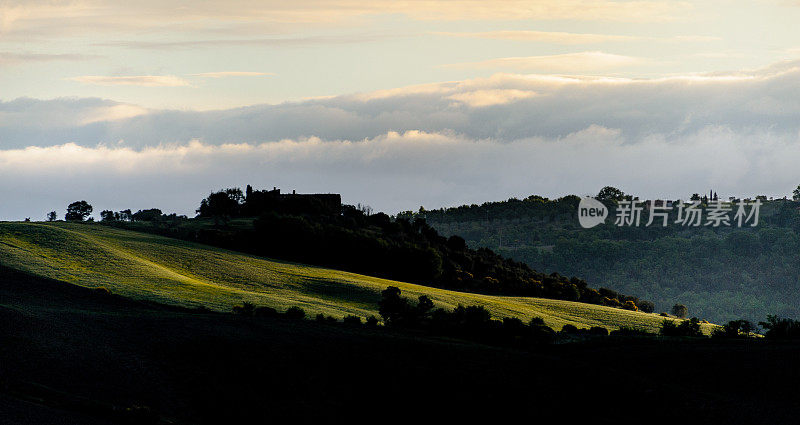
74,356
170,271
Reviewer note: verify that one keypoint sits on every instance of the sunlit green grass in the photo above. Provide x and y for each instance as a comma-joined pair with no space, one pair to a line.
146,266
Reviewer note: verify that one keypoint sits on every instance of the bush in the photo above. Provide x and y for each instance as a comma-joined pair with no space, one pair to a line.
513,325
647,306
265,312
246,309
734,329
569,329
352,320
630,305
689,327
537,321
780,328
296,313
627,331
680,310
372,322
598,330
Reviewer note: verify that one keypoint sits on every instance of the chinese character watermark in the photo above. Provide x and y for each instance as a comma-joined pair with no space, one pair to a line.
714,213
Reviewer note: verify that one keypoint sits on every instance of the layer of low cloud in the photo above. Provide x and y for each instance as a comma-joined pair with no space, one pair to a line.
503,107
400,171
432,145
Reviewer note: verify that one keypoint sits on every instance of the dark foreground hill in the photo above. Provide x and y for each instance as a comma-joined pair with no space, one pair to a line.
72,355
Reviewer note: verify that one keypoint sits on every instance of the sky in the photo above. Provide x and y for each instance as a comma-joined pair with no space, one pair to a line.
394,104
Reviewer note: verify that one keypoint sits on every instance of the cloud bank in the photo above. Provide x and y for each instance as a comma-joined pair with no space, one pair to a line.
433,145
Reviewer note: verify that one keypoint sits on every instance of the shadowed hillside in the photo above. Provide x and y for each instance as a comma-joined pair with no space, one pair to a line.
72,355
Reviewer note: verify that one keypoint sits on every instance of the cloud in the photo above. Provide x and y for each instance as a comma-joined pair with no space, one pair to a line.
569,38
284,41
543,36
583,62
221,74
503,107
117,112
400,171
139,80
480,98
435,144
9,58
33,15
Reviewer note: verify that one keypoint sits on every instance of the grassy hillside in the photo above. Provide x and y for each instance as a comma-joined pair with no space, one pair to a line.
73,356
172,271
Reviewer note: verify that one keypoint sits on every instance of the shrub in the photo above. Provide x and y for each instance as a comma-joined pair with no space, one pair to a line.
296,313
265,312
680,310
513,325
598,330
352,320
630,305
689,327
628,331
569,329
780,328
734,329
537,321
372,322
246,309
647,306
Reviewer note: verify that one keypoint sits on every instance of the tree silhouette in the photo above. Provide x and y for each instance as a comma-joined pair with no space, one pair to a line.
680,310
78,211
107,215
610,193
52,216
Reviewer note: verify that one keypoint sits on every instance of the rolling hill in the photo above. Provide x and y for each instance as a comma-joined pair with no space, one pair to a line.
171,271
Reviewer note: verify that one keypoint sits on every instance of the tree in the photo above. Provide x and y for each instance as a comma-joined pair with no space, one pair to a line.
796,194
680,310
153,214
392,307
78,211
781,328
689,327
107,215
223,204
734,329
610,193
52,216
647,306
